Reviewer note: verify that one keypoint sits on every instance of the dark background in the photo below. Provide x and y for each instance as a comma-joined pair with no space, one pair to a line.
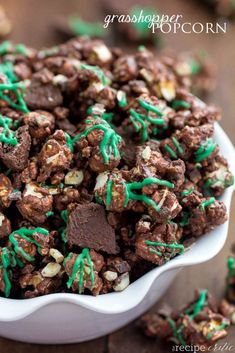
33,25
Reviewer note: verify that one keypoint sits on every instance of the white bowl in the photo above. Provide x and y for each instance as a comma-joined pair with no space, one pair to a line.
68,318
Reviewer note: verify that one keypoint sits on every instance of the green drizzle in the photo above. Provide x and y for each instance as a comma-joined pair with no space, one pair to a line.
7,136
198,306
136,117
109,192
131,195
149,181
185,219
205,150
177,332
212,183
20,49
62,230
16,88
70,142
122,100
150,107
187,192
104,79
7,260
206,203
7,69
191,312
231,266
7,47
103,115
98,199
90,111
130,189
12,86
79,268
107,116
144,120
141,47
170,151
177,104
80,27
208,187
177,145
109,143
26,234
195,67
50,213
173,246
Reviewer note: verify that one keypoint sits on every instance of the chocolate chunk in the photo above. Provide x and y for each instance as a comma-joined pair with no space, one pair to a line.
43,96
88,227
16,157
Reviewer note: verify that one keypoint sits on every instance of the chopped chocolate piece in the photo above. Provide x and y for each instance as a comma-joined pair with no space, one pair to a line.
45,96
16,157
88,227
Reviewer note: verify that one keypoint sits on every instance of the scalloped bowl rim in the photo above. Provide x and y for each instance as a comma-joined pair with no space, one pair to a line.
119,302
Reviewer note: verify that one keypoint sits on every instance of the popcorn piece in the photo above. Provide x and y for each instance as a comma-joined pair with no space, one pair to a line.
199,323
